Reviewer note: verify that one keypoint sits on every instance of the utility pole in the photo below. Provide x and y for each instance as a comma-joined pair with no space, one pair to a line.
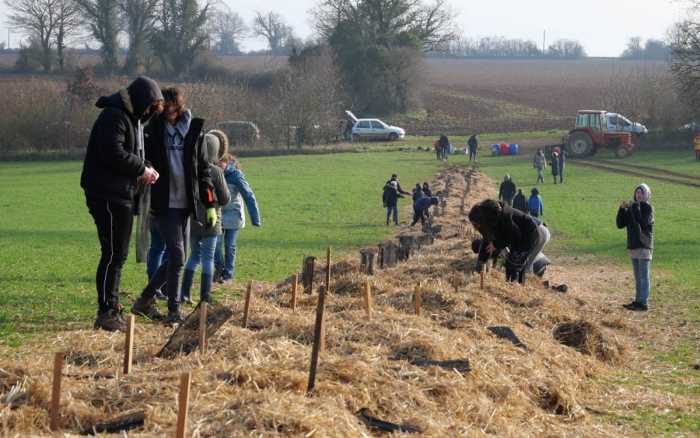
544,41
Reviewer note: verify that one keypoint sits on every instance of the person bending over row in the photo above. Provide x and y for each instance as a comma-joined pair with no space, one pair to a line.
504,227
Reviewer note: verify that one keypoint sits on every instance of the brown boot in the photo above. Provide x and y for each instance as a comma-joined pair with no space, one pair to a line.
147,307
110,320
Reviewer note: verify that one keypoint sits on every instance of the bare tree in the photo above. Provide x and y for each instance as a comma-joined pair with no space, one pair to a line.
38,19
228,28
180,34
139,17
68,23
102,18
272,27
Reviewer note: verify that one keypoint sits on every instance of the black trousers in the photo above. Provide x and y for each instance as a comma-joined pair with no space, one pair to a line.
114,222
174,229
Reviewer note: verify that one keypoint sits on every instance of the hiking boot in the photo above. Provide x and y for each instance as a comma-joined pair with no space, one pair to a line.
174,317
110,320
147,307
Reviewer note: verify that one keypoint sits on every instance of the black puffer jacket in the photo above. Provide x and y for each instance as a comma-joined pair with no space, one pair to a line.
197,173
112,162
515,230
639,220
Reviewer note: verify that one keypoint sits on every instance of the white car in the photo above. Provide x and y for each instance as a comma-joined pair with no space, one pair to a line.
620,123
374,129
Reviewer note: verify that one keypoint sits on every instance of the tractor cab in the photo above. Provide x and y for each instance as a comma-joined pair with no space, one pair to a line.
592,132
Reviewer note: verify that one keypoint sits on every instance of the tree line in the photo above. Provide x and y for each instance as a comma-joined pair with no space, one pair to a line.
169,33
501,47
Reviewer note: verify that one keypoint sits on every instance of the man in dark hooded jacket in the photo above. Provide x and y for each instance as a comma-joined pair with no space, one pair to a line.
114,163
507,190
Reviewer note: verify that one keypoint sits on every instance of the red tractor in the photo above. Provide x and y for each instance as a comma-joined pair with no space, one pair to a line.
595,130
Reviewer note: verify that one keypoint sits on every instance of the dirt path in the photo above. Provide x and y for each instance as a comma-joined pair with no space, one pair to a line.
643,171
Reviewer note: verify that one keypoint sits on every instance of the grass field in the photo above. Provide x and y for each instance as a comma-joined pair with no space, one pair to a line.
49,246
50,249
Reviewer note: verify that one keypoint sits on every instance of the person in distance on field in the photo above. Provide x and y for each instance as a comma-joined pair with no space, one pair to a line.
507,190
417,192
520,201
539,163
114,164
390,197
473,146
421,209
555,165
562,164
426,189
638,218
535,206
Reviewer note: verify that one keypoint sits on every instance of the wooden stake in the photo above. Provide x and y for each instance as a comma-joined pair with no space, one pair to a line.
129,344
247,304
417,299
318,336
482,278
56,390
295,286
183,402
368,299
203,327
322,343
328,270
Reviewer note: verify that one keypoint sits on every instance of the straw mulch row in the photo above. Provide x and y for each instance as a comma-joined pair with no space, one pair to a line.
253,381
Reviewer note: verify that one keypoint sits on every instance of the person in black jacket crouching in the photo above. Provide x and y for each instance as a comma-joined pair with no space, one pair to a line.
114,164
638,218
504,227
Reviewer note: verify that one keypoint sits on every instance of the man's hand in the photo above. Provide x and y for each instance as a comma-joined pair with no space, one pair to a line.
212,217
624,204
149,176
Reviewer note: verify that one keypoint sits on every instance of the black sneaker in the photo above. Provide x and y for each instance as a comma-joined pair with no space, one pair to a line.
635,306
174,317
110,320
147,307
640,307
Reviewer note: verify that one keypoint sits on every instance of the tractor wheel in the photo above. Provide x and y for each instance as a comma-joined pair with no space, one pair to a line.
622,152
580,145
393,136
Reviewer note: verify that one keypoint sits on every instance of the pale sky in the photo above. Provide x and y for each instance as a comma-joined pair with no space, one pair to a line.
602,26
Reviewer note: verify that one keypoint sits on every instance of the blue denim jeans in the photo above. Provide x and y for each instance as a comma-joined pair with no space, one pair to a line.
225,257
202,251
642,269
156,252
395,210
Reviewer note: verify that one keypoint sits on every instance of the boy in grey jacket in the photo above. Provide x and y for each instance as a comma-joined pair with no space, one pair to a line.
202,237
